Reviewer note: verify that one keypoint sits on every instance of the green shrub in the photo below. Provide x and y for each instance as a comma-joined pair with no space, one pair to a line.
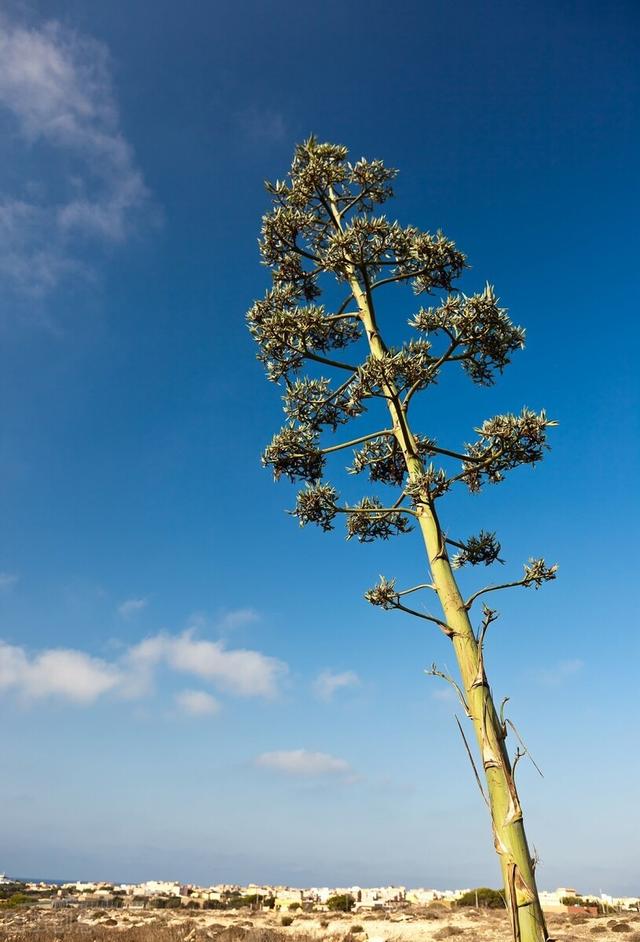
342,903
485,897
15,900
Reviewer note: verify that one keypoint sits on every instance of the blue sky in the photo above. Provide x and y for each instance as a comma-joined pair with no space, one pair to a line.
192,686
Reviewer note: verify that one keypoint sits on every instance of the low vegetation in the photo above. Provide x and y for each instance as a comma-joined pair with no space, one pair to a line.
483,897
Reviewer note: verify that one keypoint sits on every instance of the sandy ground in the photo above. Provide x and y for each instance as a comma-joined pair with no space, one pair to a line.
433,923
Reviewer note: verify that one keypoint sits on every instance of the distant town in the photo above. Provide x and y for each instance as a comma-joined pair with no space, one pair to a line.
161,894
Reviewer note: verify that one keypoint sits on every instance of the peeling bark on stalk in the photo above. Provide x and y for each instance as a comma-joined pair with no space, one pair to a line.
528,923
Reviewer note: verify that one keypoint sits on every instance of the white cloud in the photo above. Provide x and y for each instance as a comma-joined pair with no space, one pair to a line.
197,703
57,101
327,682
81,678
7,580
70,675
131,606
556,674
300,762
241,671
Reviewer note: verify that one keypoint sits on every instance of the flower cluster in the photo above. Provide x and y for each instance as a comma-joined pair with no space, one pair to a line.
313,403
411,365
294,452
318,167
369,521
317,504
481,331
383,458
429,485
483,548
287,332
383,594
505,442
536,572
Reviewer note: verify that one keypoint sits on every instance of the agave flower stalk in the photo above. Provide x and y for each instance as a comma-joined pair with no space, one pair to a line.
322,226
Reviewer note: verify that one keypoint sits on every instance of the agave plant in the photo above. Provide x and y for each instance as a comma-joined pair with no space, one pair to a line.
322,231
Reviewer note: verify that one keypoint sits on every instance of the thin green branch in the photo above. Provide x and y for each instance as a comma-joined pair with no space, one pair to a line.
442,625
494,588
353,202
327,362
376,512
417,588
356,441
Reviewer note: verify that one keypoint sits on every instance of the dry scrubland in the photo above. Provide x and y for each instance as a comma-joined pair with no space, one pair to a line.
433,923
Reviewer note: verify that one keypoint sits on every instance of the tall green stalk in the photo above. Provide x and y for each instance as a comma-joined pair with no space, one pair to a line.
323,223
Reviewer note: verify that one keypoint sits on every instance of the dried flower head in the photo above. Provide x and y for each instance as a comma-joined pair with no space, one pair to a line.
369,520
383,594
536,572
483,548
317,503
293,451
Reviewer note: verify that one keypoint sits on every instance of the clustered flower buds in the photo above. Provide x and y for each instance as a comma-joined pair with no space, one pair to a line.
506,442
383,594
480,331
411,365
317,504
429,485
483,548
536,572
382,457
369,520
373,242
288,332
312,402
293,451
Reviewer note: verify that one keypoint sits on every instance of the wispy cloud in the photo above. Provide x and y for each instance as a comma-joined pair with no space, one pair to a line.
558,673
238,619
328,682
444,694
197,703
57,98
131,606
8,580
263,125
67,674
301,763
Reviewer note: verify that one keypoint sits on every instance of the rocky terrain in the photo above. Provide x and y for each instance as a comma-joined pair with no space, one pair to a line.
437,923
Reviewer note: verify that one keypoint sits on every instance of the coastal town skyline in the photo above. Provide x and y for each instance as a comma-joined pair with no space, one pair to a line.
290,897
